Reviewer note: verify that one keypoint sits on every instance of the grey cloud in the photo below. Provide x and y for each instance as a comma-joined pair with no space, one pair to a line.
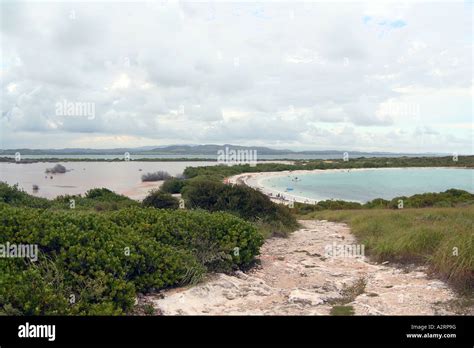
140,64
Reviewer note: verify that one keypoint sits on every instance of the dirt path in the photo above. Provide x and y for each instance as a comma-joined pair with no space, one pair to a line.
297,278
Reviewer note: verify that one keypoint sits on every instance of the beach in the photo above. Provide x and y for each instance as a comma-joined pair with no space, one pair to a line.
256,181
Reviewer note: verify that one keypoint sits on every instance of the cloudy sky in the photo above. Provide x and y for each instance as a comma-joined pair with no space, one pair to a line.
374,76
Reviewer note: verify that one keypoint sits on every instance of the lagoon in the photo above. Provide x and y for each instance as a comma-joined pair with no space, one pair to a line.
121,177
366,184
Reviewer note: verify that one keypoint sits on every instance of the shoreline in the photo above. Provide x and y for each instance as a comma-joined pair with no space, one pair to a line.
254,180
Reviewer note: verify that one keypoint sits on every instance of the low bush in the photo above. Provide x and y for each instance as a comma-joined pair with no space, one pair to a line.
243,201
102,260
160,200
58,168
448,198
14,196
173,185
98,199
156,176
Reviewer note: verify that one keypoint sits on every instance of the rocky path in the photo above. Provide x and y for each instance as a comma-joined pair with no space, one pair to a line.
296,277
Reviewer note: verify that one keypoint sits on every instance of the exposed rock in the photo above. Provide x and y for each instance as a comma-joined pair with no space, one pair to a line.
305,297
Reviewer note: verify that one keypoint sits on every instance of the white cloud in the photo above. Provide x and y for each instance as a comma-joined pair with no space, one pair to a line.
309,75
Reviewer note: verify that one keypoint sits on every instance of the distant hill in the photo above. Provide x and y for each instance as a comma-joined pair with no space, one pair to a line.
183,150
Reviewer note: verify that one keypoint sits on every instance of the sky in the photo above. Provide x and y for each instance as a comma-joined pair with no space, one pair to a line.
360,76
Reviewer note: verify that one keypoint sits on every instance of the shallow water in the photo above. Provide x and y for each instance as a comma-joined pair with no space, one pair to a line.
120,177
365,185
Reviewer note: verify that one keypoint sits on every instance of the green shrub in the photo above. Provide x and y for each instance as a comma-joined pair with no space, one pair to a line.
98,199
14,196
303,208
160,200
211,237
104,259
448,198
243,201
173,185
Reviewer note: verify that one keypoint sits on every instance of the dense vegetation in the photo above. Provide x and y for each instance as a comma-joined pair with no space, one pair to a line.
220,172
449,198
95,262
442,238
249,204
96,199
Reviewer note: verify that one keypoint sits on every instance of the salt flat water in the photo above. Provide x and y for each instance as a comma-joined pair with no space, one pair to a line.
121,177
365,185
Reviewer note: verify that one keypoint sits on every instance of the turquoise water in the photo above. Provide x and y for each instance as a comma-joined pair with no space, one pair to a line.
365,185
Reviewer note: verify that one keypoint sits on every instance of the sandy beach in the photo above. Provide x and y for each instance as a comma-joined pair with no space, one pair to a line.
254,180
